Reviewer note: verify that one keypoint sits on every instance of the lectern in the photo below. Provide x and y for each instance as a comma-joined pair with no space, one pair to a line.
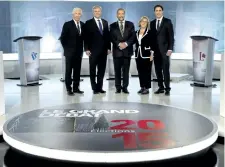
29,62
203,57
2,98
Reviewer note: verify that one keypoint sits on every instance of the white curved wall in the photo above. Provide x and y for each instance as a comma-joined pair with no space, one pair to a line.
2,98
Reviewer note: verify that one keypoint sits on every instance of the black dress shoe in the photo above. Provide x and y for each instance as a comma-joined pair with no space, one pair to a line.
141,90
167,93
96,92
78,91
70,93
102,91
159,91
118,91
125,91
145,92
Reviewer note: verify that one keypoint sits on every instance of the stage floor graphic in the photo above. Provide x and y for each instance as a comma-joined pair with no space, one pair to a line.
110,132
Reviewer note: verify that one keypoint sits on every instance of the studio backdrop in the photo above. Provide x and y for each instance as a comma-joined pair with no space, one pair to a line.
46,18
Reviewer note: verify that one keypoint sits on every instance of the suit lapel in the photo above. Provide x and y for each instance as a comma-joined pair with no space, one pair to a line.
74,26
96,26
118,29
161,25
103,25
81,27
137,34
125,28
146,32
154,25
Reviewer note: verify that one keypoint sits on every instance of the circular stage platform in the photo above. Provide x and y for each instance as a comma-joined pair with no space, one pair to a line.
110,132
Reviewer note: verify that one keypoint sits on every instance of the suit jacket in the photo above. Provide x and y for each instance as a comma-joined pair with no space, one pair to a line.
164,37
94,41
144,48
71,40
128,37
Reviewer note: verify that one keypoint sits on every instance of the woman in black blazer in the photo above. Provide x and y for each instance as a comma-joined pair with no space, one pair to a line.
144,54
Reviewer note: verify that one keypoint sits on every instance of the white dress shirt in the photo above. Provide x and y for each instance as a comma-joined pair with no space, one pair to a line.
139,39
96,20
76,25
160,21
123,22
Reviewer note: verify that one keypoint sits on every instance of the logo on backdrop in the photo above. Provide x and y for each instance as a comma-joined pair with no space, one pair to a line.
34,55
202,56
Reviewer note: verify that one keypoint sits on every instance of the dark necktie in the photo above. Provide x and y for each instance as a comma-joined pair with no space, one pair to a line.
121,28
78,27
158,24
100,26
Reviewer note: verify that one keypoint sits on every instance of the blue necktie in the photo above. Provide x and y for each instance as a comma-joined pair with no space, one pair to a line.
100,26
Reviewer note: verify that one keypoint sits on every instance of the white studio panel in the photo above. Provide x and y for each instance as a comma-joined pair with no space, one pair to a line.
222,92
2,98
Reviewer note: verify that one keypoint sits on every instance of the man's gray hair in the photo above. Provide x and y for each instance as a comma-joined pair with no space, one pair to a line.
76,9
95,7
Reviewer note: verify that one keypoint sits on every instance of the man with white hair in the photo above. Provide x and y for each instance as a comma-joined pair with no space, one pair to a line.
72,38
97,45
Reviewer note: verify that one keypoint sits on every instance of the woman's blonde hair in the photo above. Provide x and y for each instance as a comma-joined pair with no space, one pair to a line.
142,18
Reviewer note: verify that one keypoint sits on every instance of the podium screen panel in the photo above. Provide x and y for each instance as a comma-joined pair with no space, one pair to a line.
200,55
31,60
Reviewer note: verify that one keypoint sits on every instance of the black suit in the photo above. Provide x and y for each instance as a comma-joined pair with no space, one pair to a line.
142,55
72,42
97,44
164,38
121,58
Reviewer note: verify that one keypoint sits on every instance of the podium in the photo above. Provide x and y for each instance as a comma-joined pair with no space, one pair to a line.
2,97
29,60
203,59
110,68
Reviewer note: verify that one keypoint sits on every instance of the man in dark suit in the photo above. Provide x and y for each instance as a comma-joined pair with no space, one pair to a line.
97,46
122,36
162,29
72,42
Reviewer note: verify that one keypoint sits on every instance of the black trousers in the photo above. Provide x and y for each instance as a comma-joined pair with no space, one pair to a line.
144,68
162,70
121,64
73,64
97,62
